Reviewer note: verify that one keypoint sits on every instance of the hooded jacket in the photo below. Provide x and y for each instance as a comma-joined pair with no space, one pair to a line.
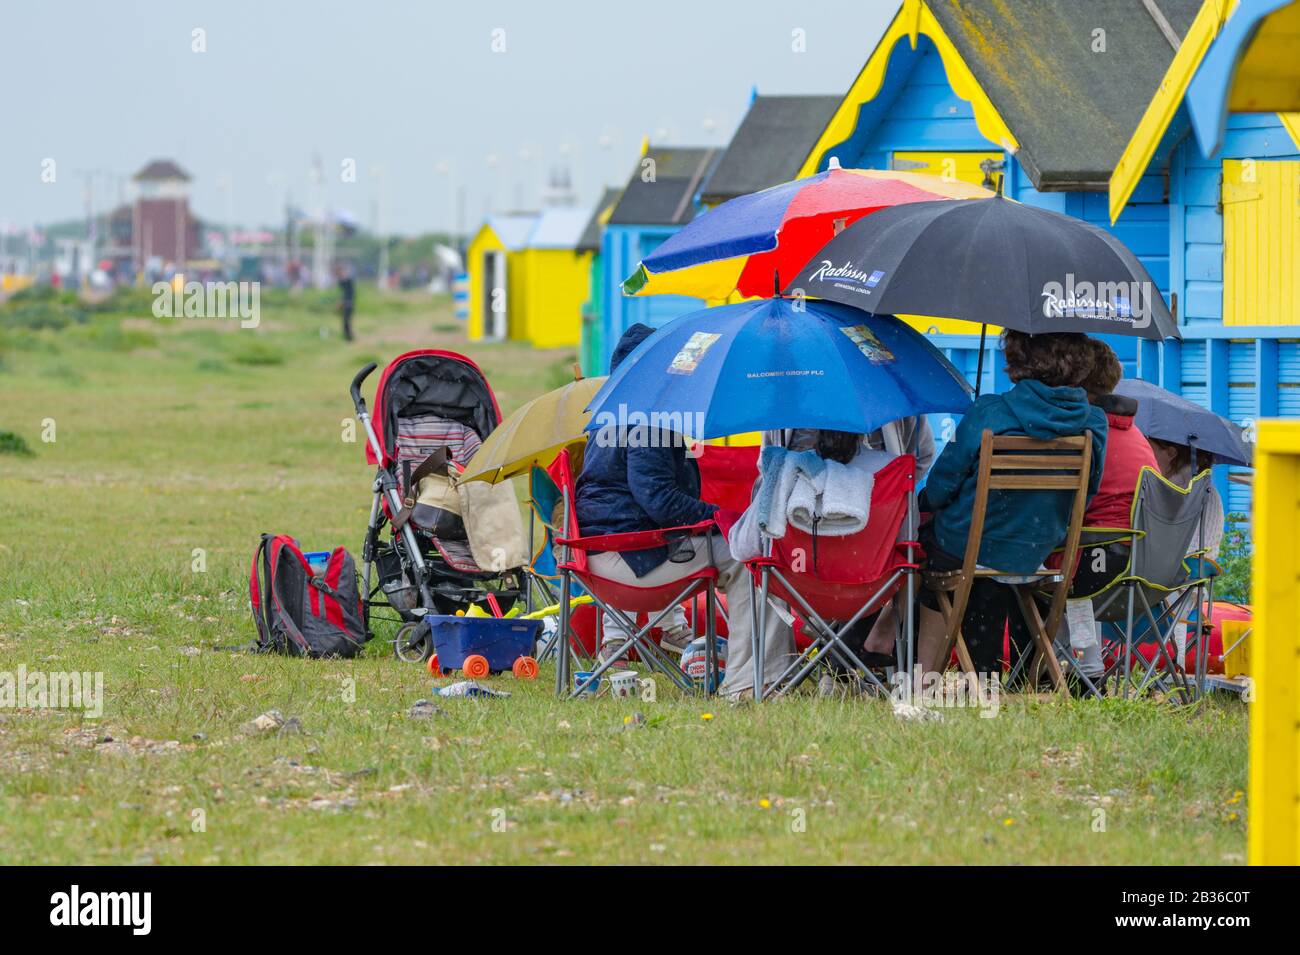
625,488
1127,452
1020,527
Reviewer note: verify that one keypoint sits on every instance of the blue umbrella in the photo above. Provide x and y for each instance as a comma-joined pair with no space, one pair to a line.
777,363
1165,416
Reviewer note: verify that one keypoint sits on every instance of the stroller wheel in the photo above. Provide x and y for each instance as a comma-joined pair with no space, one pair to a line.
475,666
412,643
525,668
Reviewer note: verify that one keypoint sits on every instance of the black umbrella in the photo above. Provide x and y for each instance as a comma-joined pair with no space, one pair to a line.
991,261
1165,416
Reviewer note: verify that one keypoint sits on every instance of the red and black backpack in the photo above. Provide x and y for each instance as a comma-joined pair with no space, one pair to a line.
300,612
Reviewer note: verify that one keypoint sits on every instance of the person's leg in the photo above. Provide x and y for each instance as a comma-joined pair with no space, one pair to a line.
778,638
883,633
612,567
931,639
931,628
347,323
983,625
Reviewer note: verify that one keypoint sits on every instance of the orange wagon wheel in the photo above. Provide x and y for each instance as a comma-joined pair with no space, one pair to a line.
476,666
434,668
525,668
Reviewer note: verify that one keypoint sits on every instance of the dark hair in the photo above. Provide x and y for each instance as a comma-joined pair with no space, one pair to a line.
1185,460
1057,359
1106,370
838,446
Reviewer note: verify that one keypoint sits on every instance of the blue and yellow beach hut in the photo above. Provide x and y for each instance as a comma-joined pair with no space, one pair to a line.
1044,95
1232,241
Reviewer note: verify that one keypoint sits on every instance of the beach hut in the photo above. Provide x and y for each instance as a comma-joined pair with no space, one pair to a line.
591,350
1233,235
770,145
494,262
527,279
556,278
1044,95
659,198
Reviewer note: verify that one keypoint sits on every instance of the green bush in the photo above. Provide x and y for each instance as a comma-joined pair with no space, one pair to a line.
46,294
107,334
1234,557
134,300
11,443
35,316
257,353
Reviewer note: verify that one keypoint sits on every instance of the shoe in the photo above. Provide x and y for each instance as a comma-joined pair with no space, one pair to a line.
609,650
878,661
677,640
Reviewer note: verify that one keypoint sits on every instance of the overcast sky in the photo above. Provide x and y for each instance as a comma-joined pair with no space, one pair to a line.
412,92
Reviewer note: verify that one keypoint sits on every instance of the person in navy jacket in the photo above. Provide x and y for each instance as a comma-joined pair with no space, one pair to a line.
646,481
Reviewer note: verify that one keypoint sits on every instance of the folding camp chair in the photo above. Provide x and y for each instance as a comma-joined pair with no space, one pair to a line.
833,582
1166,579
624,601
1010,464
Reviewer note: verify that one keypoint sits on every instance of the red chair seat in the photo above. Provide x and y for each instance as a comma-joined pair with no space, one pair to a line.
838,575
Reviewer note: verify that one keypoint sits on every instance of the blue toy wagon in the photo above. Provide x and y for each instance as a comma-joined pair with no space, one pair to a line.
479,646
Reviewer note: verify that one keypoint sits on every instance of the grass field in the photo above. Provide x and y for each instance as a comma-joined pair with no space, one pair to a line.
124,547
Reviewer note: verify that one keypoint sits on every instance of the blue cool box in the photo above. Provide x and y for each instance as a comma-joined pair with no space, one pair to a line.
502,640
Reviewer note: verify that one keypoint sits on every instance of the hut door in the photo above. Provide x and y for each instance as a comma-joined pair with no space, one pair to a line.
1261,238
495,302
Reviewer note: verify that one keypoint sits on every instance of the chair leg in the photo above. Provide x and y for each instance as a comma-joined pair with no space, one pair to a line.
1042,640
1128,642
950,632
964,659
638,638
758,611
710,642
562,635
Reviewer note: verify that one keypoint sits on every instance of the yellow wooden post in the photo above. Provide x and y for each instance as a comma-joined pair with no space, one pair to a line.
1274,837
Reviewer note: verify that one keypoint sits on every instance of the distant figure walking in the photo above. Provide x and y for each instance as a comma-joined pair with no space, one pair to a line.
347,299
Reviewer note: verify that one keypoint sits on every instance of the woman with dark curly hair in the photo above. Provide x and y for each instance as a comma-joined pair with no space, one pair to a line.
1020,528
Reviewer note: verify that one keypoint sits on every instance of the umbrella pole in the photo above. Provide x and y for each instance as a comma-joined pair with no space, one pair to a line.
979,366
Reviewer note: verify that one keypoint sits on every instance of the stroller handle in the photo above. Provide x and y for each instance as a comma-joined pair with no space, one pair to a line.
357,401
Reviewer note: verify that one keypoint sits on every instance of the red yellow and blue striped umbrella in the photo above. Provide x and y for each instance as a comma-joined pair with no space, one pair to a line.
746,245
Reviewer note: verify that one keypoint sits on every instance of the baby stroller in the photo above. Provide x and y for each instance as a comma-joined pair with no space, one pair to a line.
432,410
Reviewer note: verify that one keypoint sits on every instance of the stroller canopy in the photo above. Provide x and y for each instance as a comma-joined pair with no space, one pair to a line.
431,382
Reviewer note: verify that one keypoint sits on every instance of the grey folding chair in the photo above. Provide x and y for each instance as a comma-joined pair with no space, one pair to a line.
1168,576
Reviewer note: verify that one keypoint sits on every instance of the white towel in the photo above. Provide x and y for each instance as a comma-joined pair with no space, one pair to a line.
838,503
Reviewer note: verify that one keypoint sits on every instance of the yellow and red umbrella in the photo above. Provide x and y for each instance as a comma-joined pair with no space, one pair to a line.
534,434
746,245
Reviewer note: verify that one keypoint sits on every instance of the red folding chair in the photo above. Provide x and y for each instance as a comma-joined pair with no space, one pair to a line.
833,582
620,600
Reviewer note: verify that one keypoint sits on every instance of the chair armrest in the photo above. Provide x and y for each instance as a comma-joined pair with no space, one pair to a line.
1101,536
638,540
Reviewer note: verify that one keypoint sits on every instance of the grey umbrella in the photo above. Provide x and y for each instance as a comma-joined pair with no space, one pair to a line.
1167,417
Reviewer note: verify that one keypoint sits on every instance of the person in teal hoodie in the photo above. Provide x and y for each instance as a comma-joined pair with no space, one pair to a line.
1021,528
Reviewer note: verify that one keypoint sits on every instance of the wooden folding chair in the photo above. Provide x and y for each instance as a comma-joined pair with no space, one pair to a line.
1012,464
